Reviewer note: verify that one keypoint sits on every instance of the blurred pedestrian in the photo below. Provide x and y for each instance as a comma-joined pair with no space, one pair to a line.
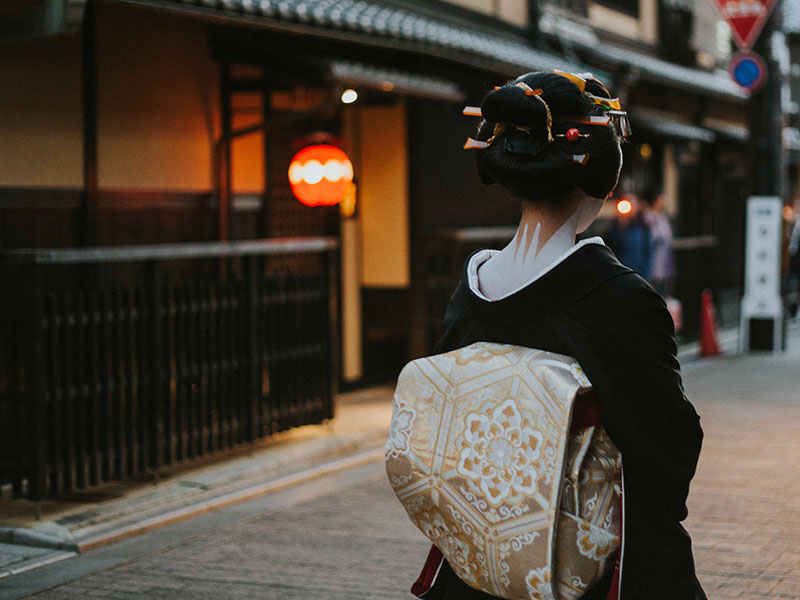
630,237
794,266
662,263
552,140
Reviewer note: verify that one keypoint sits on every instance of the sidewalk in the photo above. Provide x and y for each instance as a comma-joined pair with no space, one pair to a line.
115,511
121,509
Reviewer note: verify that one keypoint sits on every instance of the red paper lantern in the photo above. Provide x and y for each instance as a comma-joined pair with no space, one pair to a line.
320,175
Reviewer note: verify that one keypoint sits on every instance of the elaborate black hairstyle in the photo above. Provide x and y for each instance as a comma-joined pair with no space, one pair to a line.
531,150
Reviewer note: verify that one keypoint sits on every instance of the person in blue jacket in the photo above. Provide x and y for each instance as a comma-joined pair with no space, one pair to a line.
631,239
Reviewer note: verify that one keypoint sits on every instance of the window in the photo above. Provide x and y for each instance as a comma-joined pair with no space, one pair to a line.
628,7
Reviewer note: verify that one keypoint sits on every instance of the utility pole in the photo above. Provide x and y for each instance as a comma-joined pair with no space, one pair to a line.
766,115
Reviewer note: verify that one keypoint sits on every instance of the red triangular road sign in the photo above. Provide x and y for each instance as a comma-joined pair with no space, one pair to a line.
746,18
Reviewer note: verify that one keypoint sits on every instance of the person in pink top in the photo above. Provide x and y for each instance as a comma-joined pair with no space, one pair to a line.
662,261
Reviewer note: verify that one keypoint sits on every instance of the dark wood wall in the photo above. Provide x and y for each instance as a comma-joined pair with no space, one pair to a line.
444,187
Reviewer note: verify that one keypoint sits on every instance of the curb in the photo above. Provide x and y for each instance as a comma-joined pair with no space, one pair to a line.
728,340
187,512
36,539
198,488
35,563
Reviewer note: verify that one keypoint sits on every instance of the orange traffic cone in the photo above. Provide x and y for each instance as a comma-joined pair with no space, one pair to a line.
709,344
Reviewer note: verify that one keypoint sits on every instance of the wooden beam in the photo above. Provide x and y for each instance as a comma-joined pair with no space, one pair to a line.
225,151
86,226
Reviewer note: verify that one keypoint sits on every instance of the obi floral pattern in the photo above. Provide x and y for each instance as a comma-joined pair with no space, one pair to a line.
539,585
400,429
480,455
499,453
595,542
449,538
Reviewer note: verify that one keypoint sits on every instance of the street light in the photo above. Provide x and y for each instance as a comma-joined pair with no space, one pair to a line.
624,206
349,96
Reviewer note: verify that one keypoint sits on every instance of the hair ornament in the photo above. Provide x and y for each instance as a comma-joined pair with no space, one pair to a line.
499,128
537,93
590,120
572,134
581,159
621,123
576,79
604,103
473,144
609,107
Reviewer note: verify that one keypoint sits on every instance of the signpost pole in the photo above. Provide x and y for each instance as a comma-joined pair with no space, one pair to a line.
762,310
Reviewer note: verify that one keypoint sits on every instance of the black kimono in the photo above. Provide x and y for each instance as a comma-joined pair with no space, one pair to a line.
594,309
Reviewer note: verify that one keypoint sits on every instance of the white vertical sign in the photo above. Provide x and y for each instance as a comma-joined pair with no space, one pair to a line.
762,292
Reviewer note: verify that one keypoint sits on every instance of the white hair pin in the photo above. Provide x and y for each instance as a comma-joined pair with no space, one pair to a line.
472,144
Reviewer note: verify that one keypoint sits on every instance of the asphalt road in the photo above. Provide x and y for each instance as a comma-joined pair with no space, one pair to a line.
344,536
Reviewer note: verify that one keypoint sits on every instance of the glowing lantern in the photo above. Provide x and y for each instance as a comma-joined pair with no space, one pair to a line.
320,175
349,96
624,206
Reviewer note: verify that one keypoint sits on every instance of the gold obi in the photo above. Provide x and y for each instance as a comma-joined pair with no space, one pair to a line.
481,455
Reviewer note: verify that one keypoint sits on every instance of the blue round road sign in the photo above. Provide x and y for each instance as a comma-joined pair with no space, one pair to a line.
748,70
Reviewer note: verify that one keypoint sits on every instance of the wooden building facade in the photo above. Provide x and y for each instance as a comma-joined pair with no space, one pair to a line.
172,122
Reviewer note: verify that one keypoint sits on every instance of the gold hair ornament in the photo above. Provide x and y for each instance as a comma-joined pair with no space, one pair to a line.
576,79
499,128
611,106
537,93
606,103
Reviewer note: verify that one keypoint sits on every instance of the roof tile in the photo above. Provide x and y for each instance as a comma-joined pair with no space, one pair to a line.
382,20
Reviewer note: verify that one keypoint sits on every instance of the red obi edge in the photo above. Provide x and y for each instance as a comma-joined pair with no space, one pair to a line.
430,570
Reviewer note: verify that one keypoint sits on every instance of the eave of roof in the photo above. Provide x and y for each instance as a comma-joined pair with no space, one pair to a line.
662,124
716,84
372,23
401,82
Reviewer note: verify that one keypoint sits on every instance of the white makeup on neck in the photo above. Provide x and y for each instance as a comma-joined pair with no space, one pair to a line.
542,239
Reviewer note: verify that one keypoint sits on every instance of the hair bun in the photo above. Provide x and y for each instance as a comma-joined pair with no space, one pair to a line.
510,104
546,169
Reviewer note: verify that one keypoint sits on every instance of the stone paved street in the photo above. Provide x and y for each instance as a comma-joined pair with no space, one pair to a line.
345,536
744,507
354,544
